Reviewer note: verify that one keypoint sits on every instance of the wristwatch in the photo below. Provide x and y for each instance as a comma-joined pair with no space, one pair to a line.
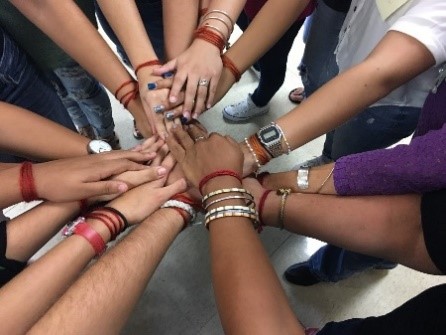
302,177
98,146
271,138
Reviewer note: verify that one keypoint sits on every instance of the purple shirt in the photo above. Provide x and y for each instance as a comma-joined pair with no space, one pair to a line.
418,167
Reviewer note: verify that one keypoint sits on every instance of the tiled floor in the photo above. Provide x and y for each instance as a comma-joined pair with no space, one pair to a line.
179,298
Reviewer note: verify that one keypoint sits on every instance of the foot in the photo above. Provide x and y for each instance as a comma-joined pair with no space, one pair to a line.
316,161
297,95
300,274
244,110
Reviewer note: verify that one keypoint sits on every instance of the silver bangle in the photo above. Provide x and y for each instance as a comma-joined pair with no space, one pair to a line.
221,20
182,205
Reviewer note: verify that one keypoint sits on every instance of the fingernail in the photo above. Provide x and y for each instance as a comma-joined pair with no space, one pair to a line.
170,116
195,116
167,75
173,99
161,171
151,86
184,120
208,106
187,115
174,126
122,187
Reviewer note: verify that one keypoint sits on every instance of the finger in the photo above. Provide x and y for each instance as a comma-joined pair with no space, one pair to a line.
159,84
136,178
134,156
178,82
211,94
178,186
199,125
183,138
175,148
196,132
169,162
105,170
154,147
147,143
162,153
168,67
200,100
190,94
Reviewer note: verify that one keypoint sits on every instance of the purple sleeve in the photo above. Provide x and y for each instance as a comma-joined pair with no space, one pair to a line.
415,168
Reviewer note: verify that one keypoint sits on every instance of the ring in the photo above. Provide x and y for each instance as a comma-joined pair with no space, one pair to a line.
203,82
199,138
159,109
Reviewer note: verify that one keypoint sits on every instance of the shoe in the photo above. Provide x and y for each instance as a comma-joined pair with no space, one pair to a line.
385,266
316,161
244,110
136,133
300,274
297,95
87,131
113,140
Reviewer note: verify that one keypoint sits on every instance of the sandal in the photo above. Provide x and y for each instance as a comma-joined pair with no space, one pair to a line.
297,95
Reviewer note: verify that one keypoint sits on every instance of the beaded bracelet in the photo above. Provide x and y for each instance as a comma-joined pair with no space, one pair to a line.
251,150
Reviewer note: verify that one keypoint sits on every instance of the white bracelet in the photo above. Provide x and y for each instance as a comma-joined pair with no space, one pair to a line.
181,205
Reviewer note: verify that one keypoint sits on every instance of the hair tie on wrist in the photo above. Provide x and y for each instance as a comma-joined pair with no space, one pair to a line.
26,182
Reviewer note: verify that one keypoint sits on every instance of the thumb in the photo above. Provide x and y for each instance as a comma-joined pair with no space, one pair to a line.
168,67
177,187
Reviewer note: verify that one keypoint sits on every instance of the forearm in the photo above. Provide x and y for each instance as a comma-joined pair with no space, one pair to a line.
180,19
135,258
237,257
66,25
245,51
57,142
27,233
10,181
44,281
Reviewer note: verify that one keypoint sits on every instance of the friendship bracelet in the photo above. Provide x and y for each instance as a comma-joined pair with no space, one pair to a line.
146,64
284,192
92,236
229,64
124,84
325,180
119,214
249,201
210,37
223,191
26,182
218,173
261,205
218,30
258,148
251,150
113,229
132,97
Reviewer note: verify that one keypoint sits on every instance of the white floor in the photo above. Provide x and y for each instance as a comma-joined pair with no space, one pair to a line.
179,298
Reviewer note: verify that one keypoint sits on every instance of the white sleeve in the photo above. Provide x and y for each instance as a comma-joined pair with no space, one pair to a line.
426,22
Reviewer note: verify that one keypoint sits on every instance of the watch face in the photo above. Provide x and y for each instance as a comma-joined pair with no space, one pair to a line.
98,146
269,134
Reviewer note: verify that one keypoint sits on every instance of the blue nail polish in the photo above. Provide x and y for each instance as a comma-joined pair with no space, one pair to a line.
170,116
167,75
151,86
184,120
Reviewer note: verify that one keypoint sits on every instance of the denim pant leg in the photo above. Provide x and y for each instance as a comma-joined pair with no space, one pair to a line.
86,98
21,84
152,16
273,66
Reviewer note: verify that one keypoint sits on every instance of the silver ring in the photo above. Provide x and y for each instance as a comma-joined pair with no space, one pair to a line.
159,109
199,138
203,82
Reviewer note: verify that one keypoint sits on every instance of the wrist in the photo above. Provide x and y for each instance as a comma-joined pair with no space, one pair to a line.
220,182
271,209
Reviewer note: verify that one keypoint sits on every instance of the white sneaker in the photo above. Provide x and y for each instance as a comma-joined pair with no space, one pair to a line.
316,161
244,110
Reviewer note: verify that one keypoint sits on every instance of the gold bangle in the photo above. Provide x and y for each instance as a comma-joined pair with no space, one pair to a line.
284,192
221,20
325,180
223,191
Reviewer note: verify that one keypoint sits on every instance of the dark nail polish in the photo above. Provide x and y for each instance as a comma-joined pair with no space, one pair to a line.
151,86
184,120
167,75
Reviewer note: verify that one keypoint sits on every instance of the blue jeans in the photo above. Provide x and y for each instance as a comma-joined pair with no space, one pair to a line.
374,128
21,84
151,12
84,98
272,65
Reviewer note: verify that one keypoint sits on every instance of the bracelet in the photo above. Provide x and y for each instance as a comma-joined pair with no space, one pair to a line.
259,149
113,228
119,214
183,214
261,206
223,191
284,192
181,205
26,182
231,208
249,201
218,30
251,150
252,217
229,64
92,236
283,137
124,84
183,198
218,173
209,36
221,20
230,211
325,180
218,11
146,64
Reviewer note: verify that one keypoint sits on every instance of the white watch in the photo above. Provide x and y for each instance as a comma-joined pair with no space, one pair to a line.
98,146
302,177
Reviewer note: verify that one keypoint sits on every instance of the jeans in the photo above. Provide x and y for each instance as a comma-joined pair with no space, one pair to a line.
21,84
84,98
273,65
151,12
374,128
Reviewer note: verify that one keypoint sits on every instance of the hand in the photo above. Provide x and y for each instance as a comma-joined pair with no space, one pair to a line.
142,122
201,61
198,159
274,181
85,177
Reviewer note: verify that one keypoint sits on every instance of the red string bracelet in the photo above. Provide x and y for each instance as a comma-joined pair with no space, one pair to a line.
26,182
183,214
209,36
229,64
117,214
92,236
261,205
218,173
109,223
124,84
133,96
187,200
145,64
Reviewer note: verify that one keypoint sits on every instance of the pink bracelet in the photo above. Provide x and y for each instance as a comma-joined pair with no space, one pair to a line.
92,236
